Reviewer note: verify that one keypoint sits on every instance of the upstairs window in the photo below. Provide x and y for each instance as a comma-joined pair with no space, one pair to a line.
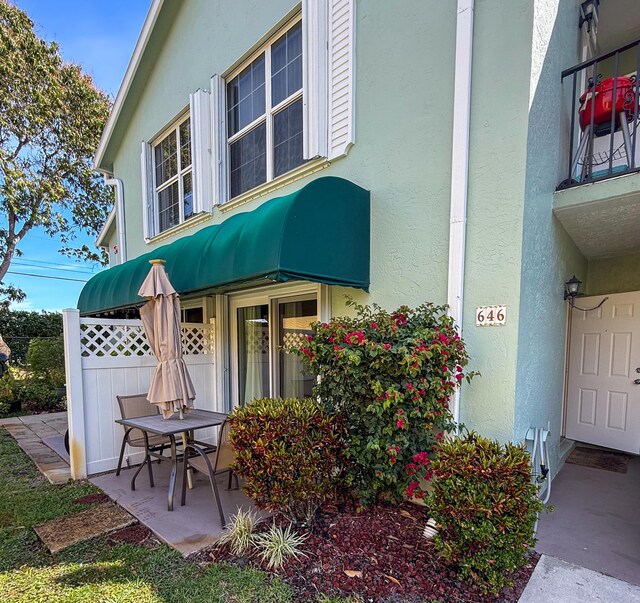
264,113
173,177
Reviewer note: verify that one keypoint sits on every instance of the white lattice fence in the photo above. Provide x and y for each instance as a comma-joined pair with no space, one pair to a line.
106,358
101,337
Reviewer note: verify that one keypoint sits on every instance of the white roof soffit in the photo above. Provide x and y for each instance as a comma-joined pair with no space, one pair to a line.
129,75
105,229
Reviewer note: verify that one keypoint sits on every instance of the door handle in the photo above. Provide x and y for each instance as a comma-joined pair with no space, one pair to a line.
636,381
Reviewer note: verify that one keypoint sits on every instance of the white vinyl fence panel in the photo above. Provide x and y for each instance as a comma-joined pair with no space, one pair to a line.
106,358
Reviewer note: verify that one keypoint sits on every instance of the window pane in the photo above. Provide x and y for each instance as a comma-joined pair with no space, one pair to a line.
287,138
187,188
253,353
185,144
286,65
248,161
245,96
168,207
193,315
295,320
166,160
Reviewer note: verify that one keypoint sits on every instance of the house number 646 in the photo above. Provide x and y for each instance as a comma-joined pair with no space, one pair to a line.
487,316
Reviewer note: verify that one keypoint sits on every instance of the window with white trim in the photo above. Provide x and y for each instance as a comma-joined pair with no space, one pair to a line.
172,176
264,106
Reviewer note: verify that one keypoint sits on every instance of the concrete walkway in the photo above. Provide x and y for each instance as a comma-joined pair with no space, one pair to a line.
556,581
29,431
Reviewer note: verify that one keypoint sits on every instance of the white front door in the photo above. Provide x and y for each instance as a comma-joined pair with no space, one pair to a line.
603,399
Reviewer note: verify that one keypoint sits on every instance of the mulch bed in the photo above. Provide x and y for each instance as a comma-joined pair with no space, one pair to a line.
136,534
380,555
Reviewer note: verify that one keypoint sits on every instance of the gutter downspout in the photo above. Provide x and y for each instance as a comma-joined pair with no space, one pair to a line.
120,224
460,168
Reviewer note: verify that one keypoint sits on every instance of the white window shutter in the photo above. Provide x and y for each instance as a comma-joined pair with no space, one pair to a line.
199,105
341,67
219,140
146,165
315,37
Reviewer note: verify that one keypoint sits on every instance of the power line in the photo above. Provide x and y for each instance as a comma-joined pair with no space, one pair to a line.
39,267
55,278
50,263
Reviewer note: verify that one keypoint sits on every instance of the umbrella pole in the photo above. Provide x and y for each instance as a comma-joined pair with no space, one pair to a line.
184,443
189,474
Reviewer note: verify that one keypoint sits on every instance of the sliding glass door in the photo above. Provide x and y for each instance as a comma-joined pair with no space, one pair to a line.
253,353
263,330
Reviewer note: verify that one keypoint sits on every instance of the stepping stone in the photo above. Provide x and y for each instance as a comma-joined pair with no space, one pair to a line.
58,534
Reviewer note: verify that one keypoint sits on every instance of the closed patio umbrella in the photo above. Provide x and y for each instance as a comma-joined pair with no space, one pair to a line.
171,387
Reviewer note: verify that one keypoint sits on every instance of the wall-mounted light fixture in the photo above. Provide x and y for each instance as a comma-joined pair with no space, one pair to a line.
572,289
589,14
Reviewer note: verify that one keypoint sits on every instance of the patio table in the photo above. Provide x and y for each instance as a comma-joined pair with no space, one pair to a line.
155,424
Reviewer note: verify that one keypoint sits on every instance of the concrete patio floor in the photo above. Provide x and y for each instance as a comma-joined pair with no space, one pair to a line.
187,529
595,522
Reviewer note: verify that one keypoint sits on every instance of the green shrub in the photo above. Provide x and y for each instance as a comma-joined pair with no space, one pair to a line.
17,327
36,396
485,506
46,360
391,376
288,451
7,394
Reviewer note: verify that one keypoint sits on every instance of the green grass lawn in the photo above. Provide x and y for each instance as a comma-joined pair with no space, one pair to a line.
94,571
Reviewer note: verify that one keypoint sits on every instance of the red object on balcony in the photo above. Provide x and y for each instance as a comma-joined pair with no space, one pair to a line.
603,101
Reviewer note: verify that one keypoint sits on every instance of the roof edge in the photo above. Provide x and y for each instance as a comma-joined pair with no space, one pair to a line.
130,73
105,229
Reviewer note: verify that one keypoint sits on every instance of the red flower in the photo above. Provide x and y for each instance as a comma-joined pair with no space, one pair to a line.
401,423
400,411
355,338
412,488
387,346
374,325
439,434
422,458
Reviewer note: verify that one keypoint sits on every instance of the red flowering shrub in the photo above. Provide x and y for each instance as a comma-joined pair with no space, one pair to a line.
390,376
486,506
288,451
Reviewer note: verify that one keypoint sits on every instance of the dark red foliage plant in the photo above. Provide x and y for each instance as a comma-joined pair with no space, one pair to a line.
289,453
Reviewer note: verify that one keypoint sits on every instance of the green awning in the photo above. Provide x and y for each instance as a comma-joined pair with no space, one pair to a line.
319,233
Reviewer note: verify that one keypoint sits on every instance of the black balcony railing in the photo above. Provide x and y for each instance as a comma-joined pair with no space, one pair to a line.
604,116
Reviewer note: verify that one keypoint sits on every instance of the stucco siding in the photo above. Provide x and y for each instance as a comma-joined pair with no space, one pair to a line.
549,257
497,156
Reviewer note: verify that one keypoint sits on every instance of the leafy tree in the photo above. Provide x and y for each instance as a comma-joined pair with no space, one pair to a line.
51,118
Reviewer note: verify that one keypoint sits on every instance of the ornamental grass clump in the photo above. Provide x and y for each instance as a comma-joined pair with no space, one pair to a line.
289,453
238,533
279,544
486,506
390,376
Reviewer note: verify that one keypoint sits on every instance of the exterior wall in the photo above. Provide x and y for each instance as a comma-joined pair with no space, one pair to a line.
517,254
497,155
405,163
549,257
613,275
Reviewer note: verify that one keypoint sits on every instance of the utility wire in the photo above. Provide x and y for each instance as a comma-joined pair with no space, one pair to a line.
39,267
55,278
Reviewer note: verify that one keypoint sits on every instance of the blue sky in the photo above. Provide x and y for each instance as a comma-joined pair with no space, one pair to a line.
99,36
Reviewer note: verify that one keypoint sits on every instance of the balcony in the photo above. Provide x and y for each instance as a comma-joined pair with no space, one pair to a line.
598,199
604,116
